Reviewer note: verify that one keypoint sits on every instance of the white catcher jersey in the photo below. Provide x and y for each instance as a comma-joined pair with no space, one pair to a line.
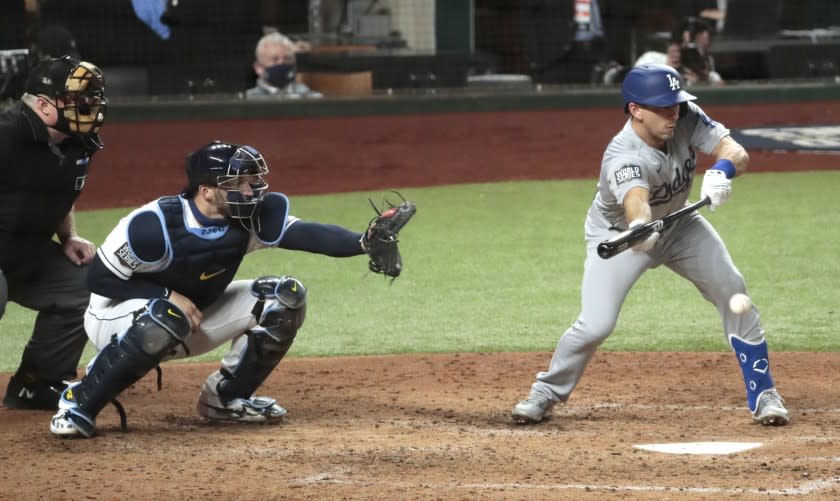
117,254
629,162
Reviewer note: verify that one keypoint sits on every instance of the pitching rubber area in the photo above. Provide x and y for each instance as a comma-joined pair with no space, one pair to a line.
438,426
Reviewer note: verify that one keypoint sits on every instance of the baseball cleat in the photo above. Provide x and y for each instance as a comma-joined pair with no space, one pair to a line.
246,410
251,410
770,411
61,425
70,421
533,409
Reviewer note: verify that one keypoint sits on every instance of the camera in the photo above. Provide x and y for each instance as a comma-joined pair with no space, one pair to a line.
691,58
14,68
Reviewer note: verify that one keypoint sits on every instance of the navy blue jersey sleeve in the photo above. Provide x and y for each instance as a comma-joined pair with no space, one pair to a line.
319,238
100,280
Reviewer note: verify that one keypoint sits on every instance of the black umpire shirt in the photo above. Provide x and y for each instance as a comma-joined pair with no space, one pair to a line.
39,183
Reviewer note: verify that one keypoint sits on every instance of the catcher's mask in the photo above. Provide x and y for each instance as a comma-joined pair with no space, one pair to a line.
238,170
78,90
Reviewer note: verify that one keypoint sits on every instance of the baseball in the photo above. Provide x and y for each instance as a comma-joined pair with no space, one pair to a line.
740,303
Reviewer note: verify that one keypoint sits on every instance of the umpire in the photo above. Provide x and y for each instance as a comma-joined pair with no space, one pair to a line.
46,143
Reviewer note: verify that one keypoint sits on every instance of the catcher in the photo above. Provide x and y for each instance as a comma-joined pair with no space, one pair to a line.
162,288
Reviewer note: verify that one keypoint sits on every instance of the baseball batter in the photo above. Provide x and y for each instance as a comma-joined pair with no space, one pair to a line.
647,172
162,287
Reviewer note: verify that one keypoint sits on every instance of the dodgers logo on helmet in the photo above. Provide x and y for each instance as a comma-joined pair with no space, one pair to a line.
654,85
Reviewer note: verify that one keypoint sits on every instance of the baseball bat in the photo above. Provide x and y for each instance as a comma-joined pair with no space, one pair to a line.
625,240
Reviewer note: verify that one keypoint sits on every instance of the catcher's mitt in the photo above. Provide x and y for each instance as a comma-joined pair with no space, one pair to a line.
380,239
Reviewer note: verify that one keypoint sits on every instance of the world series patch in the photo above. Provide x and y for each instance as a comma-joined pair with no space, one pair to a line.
127,257
627,173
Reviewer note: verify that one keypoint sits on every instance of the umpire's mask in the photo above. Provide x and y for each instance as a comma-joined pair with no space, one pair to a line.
80,86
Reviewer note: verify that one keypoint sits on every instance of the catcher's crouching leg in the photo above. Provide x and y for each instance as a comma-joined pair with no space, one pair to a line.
227,395
125,360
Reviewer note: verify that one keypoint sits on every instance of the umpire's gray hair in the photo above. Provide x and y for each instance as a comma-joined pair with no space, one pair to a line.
270,39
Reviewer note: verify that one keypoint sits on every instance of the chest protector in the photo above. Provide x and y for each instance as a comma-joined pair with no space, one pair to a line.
201,267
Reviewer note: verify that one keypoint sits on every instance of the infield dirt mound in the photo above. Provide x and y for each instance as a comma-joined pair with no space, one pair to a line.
438,427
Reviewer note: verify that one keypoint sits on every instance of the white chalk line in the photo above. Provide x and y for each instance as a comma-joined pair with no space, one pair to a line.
802,490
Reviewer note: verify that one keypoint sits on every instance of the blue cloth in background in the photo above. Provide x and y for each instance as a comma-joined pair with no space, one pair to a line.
149,11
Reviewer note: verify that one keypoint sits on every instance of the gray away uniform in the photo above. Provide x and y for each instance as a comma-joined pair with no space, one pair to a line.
691,247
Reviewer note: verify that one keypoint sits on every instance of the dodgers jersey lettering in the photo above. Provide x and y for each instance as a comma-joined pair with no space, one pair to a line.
629,162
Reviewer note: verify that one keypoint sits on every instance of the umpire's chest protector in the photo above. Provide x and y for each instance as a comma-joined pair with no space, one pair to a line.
202,263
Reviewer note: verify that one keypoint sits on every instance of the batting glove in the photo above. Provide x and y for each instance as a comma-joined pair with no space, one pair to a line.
717,187
646,244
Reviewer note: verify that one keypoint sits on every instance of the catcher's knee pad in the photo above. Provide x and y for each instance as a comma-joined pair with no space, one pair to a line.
128,357
755,365
289,291
281,306
281,323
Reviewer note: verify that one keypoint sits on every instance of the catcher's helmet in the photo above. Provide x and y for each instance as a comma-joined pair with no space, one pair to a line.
80,85
654,85
223,165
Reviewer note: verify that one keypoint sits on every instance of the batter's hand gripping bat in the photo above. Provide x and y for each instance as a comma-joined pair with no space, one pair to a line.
625,240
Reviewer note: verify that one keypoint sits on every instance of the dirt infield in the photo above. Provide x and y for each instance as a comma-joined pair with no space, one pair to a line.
437,427
434,426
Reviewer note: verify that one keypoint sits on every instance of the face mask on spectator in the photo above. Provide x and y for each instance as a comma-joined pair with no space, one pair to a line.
280,75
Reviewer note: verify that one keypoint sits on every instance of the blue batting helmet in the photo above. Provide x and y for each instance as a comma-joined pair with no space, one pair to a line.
654,85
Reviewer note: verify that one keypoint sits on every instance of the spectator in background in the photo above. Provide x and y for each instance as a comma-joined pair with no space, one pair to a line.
671,56
276,70
697,65
54,41
713,12
688,52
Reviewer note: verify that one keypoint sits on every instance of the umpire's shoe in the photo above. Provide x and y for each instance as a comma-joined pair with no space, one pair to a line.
29,393
533,409
770,411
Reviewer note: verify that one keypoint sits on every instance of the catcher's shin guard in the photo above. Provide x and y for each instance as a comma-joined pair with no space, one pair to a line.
267,344
755,365
125,360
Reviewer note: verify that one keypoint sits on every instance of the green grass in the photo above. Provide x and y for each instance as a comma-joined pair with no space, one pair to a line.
497,267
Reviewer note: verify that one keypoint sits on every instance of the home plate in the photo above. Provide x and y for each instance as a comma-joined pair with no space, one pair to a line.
700,447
